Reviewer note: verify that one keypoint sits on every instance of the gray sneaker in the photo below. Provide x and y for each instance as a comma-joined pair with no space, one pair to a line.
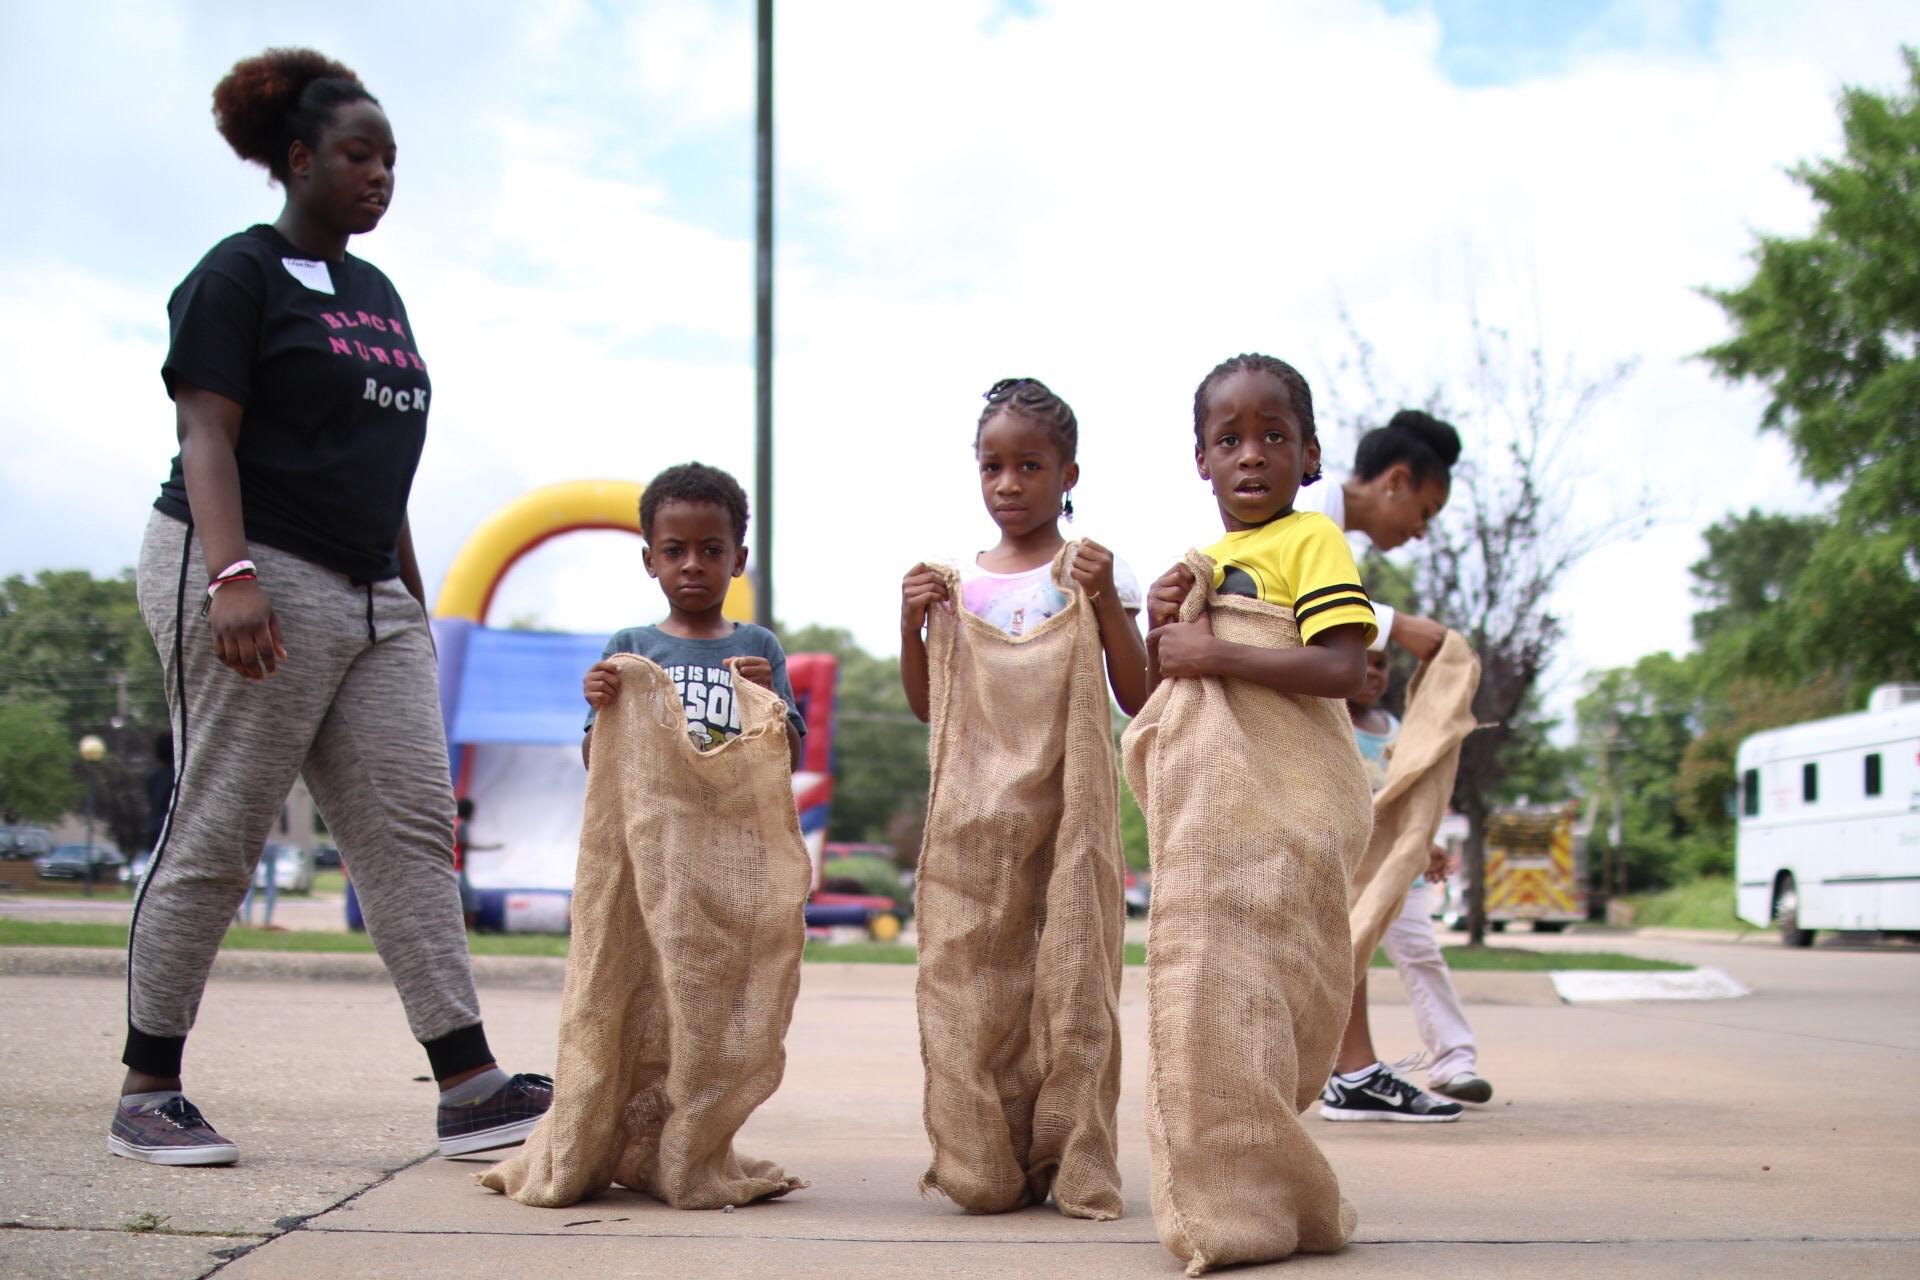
168,1132
1466,1087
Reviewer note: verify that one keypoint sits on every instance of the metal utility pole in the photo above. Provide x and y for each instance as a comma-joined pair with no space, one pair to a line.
763,328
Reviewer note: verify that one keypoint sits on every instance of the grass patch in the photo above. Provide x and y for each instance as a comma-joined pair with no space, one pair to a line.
862,953
53,933
1518,960
330,881
1706,903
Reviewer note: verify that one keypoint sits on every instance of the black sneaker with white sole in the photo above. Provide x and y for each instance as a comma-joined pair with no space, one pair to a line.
1383,1096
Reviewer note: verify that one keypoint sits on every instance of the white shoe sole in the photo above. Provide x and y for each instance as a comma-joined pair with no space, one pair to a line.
1390,1117
222,1153
507,1135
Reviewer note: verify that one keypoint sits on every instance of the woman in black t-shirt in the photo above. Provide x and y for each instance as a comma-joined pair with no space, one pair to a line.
301,401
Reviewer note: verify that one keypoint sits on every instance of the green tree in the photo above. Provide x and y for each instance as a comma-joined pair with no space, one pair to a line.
1745,625
1829,324
879,748
76,644
36,763
1636,725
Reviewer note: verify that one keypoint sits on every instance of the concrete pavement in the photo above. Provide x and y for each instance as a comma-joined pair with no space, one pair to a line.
1770,1136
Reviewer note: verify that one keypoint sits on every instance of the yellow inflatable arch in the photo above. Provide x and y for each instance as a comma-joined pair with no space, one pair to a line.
531,519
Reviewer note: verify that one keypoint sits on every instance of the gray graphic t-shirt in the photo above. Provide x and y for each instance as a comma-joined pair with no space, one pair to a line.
698,670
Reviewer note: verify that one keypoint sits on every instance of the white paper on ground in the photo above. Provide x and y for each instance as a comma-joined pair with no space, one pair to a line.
1584,986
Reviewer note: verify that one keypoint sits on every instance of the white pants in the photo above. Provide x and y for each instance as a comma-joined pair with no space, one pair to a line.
1411,946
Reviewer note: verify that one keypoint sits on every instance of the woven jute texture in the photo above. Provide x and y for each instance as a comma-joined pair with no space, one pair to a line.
1020,914
1408,808
685,960
1257,810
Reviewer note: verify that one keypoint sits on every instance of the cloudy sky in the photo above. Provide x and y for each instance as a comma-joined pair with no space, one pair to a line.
1111,196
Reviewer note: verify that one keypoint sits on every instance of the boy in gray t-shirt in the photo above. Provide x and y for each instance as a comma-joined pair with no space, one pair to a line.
694,520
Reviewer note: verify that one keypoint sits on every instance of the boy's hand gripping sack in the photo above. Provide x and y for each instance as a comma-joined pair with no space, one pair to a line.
1257,809
1021,914
688,924
1408,808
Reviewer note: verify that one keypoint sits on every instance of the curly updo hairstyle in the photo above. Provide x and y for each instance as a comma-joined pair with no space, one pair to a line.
1033,400
1427,445
267,102
1298,393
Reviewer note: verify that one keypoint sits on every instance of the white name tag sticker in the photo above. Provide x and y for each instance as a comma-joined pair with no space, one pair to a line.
310,273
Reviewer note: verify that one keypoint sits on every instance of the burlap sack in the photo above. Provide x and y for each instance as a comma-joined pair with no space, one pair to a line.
1407,810
1021,915
687,932
1257,809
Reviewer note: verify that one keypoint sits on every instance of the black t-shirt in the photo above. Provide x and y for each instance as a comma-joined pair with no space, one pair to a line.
334,389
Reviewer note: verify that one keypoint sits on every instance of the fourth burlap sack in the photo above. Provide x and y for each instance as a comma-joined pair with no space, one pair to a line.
688,927
1020,914
1257,810
1408,808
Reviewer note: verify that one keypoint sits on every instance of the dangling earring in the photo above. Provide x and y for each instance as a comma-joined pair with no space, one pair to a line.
1066,508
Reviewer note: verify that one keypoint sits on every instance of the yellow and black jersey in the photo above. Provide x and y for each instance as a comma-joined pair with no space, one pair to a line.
1300,562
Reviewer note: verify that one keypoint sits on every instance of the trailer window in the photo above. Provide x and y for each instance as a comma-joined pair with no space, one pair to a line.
1873,774
1810,782
1750,793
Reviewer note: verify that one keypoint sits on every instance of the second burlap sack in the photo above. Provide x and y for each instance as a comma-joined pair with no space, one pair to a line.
1020,914
1408,808
688,925
1257,809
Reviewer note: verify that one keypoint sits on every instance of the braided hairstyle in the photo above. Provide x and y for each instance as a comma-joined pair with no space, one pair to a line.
695,482
1427,445
1034,400
1298,393
268,102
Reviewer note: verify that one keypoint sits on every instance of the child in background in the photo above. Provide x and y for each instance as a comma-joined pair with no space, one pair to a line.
1373,1091
1024,447
694,520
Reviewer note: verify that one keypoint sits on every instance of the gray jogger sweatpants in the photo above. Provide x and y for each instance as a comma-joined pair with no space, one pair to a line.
355,708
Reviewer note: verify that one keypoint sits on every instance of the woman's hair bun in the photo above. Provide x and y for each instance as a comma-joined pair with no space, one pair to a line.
1436,435
254,104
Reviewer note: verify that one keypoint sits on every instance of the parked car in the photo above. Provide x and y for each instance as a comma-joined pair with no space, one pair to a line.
80,862
326,857
136,869
25,842
293,869
1138,893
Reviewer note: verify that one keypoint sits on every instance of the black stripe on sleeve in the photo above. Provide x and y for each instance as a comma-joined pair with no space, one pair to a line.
1301,615
1327,591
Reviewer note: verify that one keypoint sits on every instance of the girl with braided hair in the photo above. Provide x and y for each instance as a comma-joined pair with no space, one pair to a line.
300,399
1024,446
1009,655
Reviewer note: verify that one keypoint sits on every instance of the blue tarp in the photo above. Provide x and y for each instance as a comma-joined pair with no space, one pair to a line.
522,687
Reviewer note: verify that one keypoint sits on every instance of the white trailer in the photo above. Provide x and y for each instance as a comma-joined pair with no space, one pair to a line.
1829,821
